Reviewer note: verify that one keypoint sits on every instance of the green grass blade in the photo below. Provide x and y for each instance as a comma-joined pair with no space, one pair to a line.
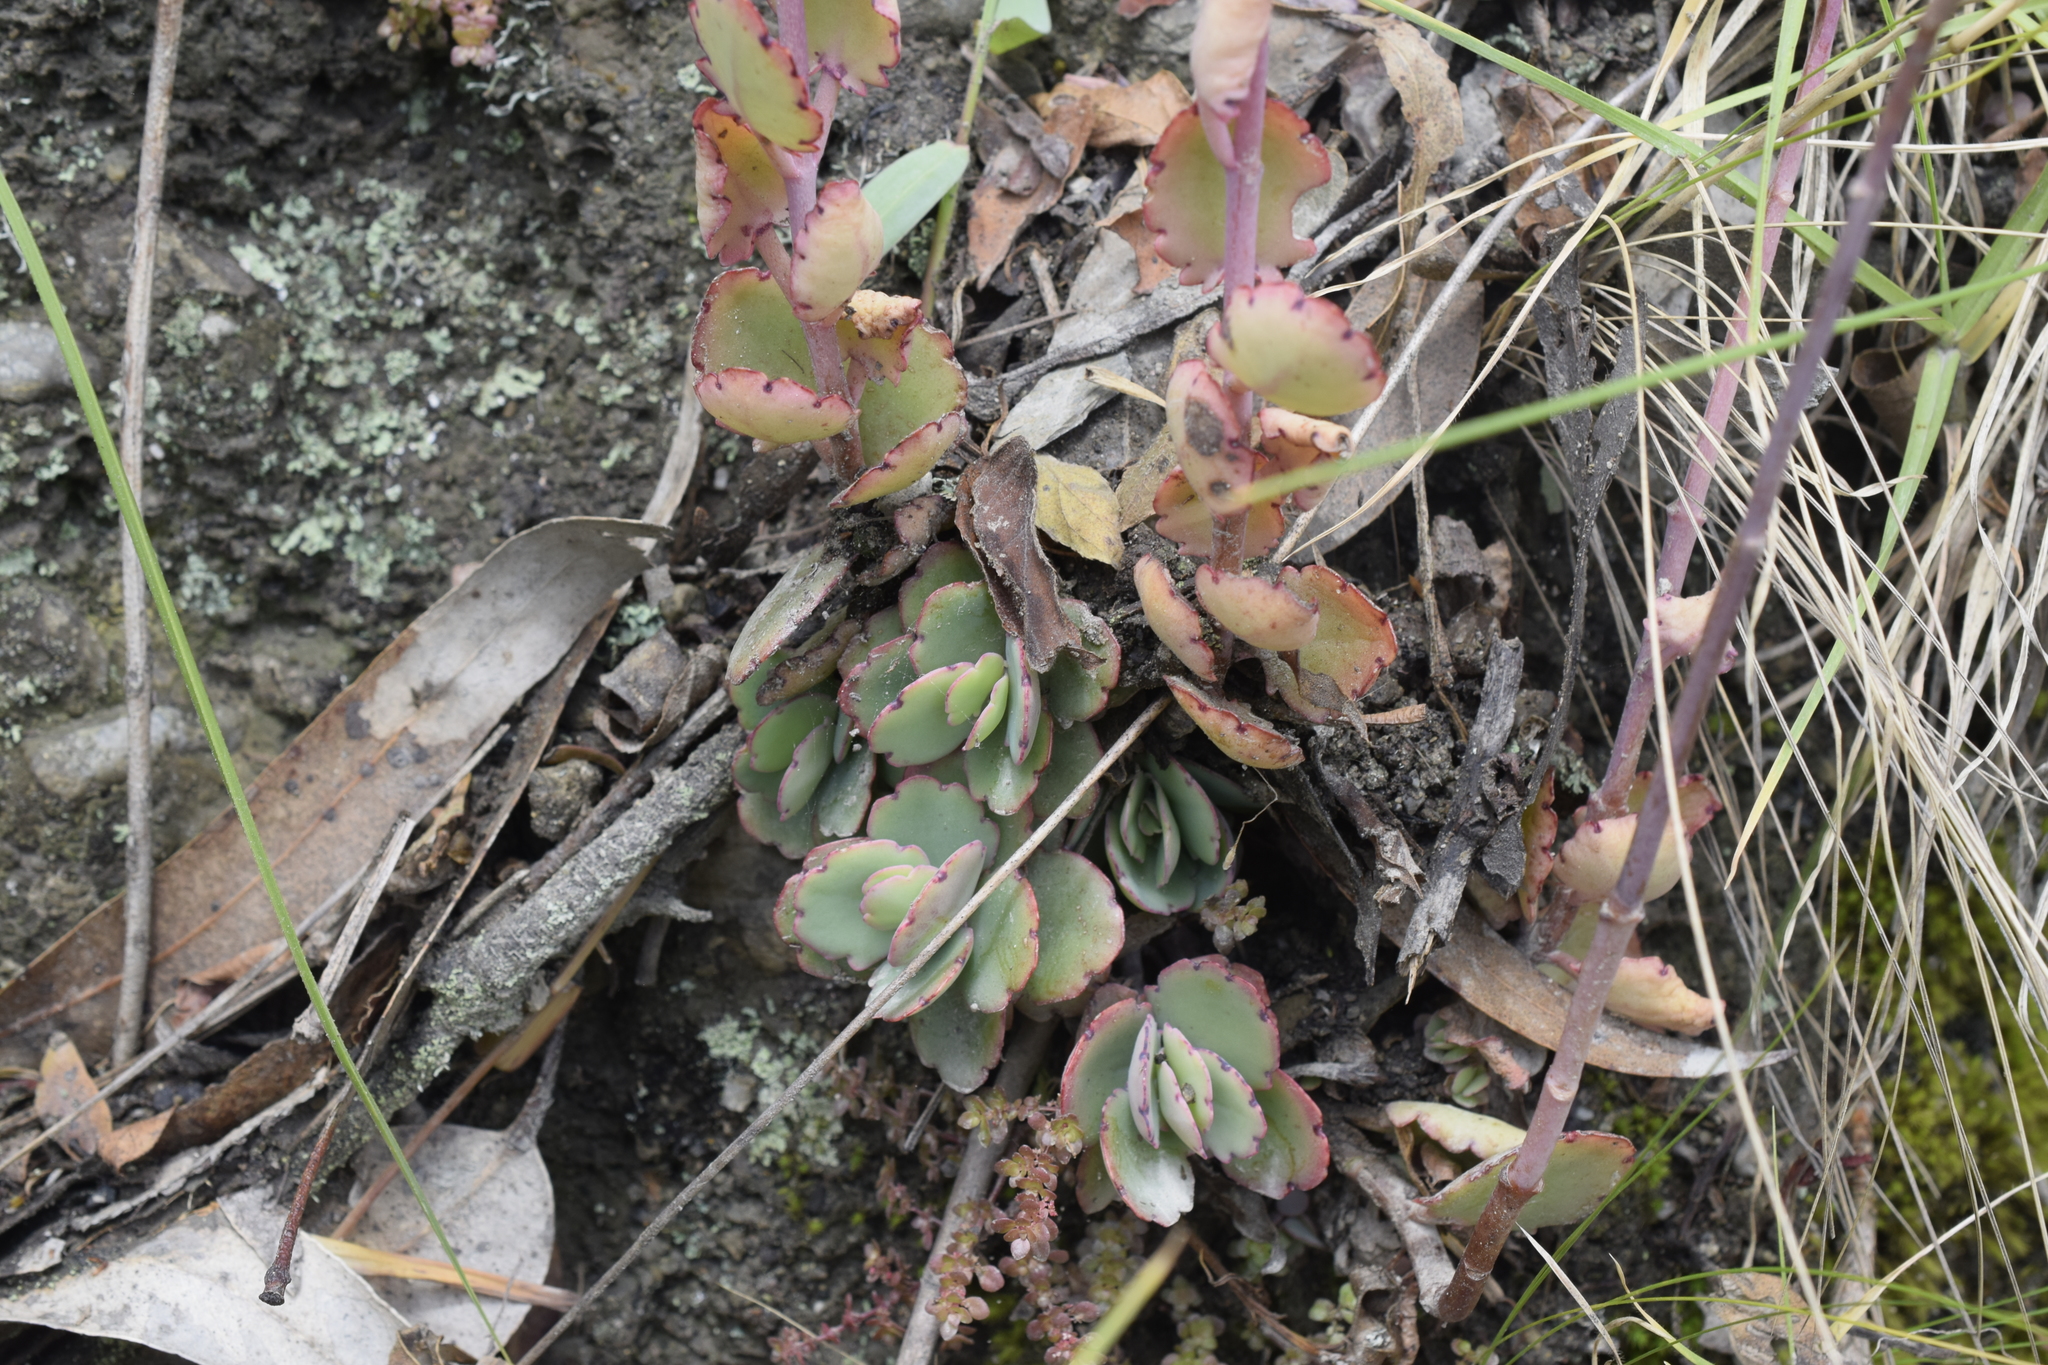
195,686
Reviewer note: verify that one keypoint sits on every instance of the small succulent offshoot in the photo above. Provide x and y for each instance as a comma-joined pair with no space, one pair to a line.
1221,190
1168,844
1188,1067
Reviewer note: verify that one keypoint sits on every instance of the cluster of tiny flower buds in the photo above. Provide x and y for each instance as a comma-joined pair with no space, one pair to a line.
470,24
958,1267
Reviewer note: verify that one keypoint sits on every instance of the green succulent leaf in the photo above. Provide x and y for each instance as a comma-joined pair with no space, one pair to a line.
1094,1191
957,624
842,799
1221,1006
900,998
944,893
1293,1154
1100,1061
1081,929
886,896
1003,784
1584,1168
949,561
959,1044
876,681
1006,941
1076,691
909,187
808,767
758,74
970,693
1075,752
790,607
941,817
1156,1182
913,729
827,900
1185,189
1239,1125
756,365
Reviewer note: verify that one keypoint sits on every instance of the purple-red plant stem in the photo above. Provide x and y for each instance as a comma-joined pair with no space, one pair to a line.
799,172
1682,528
279,1276
1241,266
1623,911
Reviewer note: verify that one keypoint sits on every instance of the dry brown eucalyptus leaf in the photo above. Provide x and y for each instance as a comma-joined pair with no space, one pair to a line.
1077,508
998,520
66,1085
385,745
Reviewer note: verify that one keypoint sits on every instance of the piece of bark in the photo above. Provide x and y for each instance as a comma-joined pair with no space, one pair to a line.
998,518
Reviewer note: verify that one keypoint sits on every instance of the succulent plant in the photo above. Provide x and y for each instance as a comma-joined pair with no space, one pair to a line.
1168,844
867,906
1189,1067
1584,1169
1586,867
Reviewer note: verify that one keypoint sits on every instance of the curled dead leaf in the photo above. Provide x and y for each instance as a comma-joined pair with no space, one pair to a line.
998,519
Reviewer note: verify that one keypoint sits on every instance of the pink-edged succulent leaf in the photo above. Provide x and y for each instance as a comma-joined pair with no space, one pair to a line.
1294,1154
775,739
1584,1168
856,41
1292,441
1237,1124
1151,873
1004,784
995,709
1295,350
909,460
1227,38
1354,640
1006,939
875,333
1262,614
913,729
1184,205
1458,1130
842,800
1100,1060
827,900
1681,621
784,919
1199,823
1539,841
1191,1074
1221,1006
1648,991
1697,802
813,662
809,765
1025,708
1094,1191
887,895
1184,520
1590,862
1308,694
759,819
837,247
759,75
1177,1112
1141,1086
968,696
1202,424
785,616
933,386
1156,1181
944,892
949,561
1237,732
876,681
756,365
958,1043
1081,929
740,194
1075,752
957,624
939,816
901,995
1073,689
1172,617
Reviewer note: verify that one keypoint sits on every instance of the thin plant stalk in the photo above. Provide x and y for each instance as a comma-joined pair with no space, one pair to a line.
137,900
1682,529
874,1007
1622,912
1241,264
209,721
942,221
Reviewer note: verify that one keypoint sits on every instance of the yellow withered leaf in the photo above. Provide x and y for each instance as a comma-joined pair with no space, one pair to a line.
1077,507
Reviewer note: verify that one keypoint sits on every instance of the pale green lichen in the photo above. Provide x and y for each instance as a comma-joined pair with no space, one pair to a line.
770,1058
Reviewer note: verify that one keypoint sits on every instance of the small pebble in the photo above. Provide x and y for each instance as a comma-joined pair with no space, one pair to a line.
31,366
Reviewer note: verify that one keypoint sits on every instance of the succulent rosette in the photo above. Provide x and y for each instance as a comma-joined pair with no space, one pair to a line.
1168,844
1189,1067
867,907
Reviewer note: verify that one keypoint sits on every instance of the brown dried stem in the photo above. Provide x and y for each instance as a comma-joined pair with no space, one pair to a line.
136,901
1623,911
